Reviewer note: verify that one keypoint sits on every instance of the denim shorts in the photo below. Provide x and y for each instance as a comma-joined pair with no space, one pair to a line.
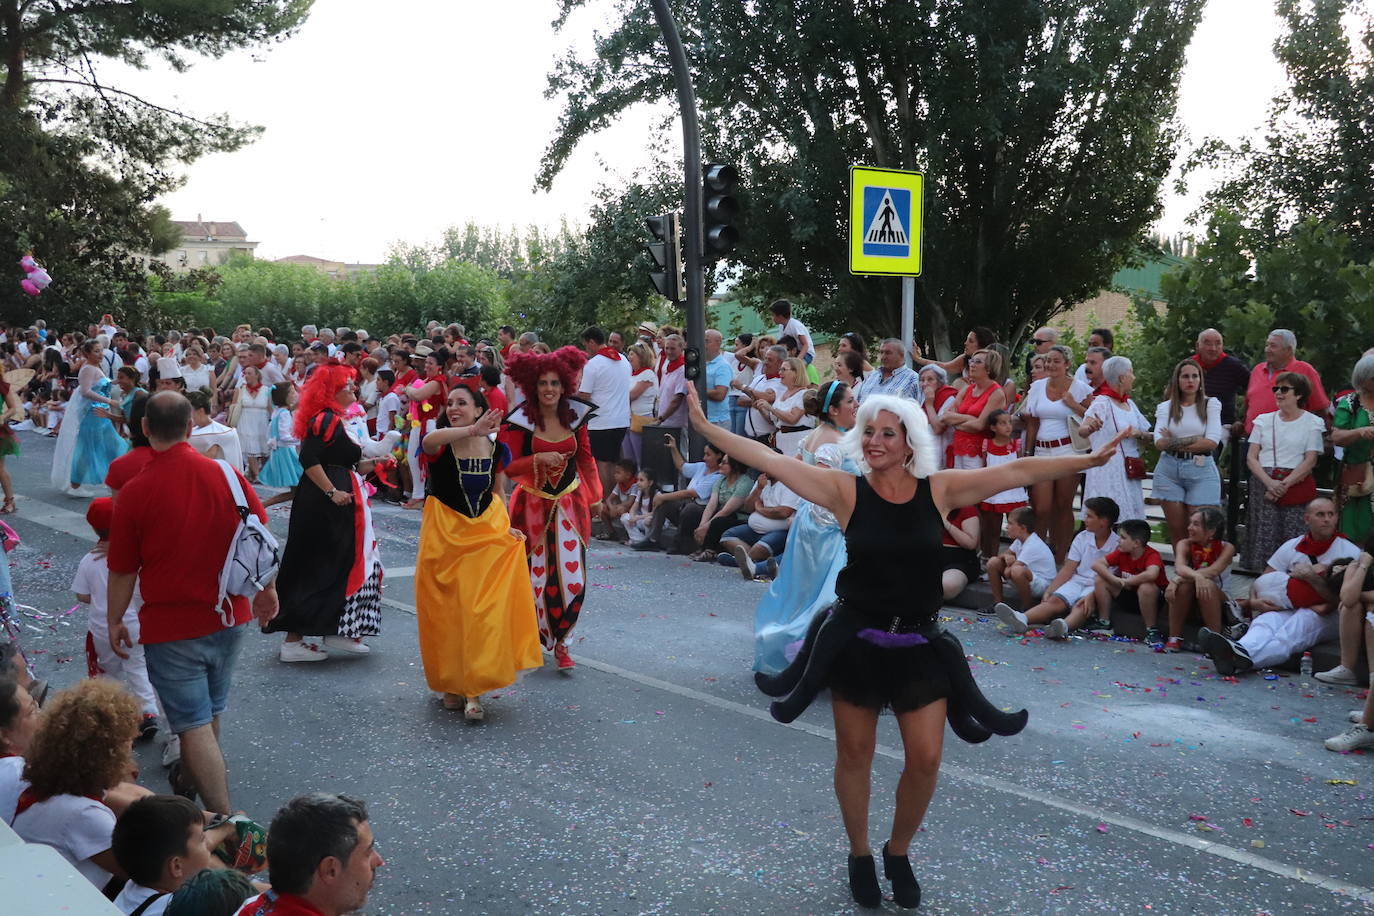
775,541
1183,481
191,676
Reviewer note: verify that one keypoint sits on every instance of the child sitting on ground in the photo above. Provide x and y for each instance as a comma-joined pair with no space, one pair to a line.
1133,576
622,496
1069,598
640,511
1000,449
1202,561
91,584
1028,564
160,842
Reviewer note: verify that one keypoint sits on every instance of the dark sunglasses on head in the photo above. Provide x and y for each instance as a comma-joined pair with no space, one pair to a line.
1037,341
1277,388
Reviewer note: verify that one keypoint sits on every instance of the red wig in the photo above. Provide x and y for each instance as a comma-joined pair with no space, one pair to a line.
525,370
319,393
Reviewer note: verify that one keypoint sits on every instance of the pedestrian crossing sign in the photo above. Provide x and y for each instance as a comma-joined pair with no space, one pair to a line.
885,221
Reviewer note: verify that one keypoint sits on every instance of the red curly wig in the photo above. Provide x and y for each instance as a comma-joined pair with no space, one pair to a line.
525,369
319,393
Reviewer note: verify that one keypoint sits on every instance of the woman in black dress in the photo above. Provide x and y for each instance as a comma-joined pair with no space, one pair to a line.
881,645
330,582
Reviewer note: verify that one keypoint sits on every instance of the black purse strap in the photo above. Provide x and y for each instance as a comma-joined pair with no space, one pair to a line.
143,907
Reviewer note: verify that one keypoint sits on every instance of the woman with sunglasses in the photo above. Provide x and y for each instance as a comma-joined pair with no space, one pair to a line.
1284,447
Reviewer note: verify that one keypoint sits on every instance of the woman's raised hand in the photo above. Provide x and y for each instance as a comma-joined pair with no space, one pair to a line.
694,410
487,423
1104,454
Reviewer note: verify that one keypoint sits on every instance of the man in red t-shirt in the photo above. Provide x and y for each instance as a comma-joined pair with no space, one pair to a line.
171,532
1279,357
1132,577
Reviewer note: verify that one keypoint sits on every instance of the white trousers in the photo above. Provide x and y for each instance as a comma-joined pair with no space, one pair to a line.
1274,636
417,483
132,672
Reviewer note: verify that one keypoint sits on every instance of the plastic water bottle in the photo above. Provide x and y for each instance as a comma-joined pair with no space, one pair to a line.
1305,668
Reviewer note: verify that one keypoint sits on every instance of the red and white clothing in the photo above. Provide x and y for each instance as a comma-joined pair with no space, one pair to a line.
553,509
1039,559
968,447
93,579
179,508
1052,434
606,383
128,466
274,904
944,401
1200,556
1127,565
1007,500
1274,636
1259,395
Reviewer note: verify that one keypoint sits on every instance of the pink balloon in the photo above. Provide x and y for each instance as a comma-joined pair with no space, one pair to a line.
40,278
30,287
28,263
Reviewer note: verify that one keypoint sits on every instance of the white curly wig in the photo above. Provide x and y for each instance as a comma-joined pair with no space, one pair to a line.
924,459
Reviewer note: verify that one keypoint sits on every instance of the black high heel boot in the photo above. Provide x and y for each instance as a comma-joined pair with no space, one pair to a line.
863,882
905,890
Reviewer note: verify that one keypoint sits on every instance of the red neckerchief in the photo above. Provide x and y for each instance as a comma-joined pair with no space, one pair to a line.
677,364
28,798
772,375
253,389
609,353
1206,365
1200,555
1313,548
1110,392
405,380
944,394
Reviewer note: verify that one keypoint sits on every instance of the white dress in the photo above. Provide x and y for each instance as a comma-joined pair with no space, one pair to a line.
196,379
1110,479
254,413
790,443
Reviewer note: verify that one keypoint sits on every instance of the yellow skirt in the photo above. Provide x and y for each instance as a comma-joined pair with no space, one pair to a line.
473,600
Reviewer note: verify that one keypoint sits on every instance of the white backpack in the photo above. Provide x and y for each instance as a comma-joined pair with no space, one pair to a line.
253,559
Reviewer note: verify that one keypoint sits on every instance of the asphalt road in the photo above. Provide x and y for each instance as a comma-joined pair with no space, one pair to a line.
653,781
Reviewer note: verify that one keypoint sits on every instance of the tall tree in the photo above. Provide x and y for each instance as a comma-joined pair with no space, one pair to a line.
1044,128
81,162
1314,157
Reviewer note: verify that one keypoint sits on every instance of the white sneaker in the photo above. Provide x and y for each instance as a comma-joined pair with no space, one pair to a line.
1353,738
744,562
1356,715
1058,629
1015,620
1339,675
171,751
301,652
345,645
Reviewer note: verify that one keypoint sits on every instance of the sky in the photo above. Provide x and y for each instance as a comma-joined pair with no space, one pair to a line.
391,122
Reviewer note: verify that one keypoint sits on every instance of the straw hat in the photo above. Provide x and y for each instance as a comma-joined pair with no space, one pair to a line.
18,378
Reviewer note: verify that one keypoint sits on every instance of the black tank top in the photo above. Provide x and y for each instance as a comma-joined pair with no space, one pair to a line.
895,557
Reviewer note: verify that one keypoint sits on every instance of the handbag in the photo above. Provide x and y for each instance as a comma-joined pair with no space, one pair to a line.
235,411
1135,467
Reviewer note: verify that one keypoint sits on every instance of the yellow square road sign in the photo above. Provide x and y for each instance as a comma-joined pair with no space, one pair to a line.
885,221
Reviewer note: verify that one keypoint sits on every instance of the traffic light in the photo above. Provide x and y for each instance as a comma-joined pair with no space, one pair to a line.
720,210
691,363
667,254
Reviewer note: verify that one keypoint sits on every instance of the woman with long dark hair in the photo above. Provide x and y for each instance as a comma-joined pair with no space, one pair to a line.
557,488
330,584
472,588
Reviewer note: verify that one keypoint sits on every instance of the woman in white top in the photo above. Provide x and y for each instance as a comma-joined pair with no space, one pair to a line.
1187,432
643,394
1045,411
788,411
1284,447
1113,411
255,407
196,372
18,723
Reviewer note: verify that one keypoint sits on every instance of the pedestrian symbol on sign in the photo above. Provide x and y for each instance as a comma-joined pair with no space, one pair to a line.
887,216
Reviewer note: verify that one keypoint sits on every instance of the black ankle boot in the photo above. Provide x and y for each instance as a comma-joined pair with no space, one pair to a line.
863,882
905,890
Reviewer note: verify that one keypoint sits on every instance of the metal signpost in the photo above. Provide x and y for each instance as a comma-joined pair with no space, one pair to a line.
885,232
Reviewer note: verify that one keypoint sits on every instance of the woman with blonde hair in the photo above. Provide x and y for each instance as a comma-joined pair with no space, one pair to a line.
881,644
643,397
789,410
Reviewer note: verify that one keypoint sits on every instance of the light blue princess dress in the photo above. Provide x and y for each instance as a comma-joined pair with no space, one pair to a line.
97,441
805,582
283,467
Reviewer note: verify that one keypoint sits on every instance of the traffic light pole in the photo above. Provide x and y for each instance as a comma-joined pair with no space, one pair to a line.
691,197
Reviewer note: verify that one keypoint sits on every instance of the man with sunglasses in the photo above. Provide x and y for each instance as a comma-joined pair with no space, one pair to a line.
1041,341
1279,357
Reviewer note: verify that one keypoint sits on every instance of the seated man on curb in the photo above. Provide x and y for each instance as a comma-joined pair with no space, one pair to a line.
323,858
1069,598
1297,617
758,543
1132,575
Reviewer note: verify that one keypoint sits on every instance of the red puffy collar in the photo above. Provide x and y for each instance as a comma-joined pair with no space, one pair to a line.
609,353
1110,392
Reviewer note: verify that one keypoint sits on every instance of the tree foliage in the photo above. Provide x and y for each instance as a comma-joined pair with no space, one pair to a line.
1044,128
82,162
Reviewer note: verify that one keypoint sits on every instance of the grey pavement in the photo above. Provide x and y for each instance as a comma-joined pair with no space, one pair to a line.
653,781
